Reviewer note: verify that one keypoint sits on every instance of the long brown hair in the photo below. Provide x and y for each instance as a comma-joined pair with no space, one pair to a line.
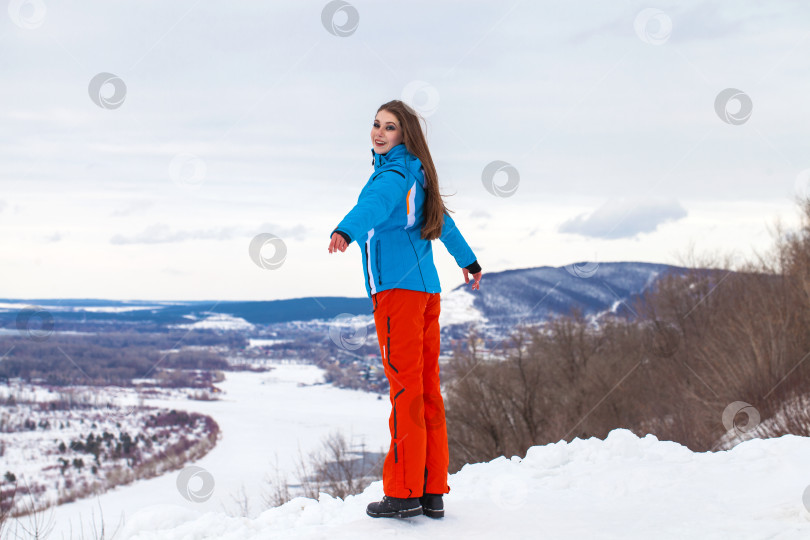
416,143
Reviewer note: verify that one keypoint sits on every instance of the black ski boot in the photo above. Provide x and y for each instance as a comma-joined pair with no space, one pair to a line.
432,505
395,507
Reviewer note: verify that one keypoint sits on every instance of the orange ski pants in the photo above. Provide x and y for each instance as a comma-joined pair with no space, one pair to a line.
407,325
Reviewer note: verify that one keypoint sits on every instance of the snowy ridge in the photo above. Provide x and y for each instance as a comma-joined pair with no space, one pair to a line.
535,294
623,487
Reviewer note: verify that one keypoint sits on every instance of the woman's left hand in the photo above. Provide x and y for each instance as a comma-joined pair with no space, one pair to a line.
477,277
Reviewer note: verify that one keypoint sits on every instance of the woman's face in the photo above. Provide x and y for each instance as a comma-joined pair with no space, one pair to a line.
386,132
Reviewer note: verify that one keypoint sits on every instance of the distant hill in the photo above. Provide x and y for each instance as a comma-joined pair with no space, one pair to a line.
527,295
534,294
254,312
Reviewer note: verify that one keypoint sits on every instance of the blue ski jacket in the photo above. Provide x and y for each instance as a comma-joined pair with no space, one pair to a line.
386,223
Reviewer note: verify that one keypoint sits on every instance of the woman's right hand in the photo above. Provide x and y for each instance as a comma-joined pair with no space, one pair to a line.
337,243
477,277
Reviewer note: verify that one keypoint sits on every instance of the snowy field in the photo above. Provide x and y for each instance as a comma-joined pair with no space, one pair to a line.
264,419
624,487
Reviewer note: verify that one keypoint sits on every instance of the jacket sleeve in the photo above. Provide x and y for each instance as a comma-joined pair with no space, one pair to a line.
454,242
377,201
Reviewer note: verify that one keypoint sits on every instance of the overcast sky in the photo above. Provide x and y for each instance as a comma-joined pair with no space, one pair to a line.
625,131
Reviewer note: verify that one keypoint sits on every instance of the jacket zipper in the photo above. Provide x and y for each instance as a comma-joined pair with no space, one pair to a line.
370,278
379,268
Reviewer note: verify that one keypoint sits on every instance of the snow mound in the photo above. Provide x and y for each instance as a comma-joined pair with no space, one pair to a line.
621,487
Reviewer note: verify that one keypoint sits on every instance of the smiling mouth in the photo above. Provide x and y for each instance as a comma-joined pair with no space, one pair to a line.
378,143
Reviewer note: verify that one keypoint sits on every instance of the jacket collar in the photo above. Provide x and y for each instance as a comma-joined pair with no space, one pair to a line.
397,153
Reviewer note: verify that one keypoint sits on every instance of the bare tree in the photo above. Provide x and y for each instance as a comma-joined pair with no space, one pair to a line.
279,488
242,503
339,468
7,495
698,342
37,523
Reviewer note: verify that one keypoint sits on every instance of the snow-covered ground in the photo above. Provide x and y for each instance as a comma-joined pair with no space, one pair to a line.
457,308
264,419
624,487
218,321
37,446
261,342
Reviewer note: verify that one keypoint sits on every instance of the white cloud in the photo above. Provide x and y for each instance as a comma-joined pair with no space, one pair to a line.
161,233
280,111
480,213
285,232
624,218
133,207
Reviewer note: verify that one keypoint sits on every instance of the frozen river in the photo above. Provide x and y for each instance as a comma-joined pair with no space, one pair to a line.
264,420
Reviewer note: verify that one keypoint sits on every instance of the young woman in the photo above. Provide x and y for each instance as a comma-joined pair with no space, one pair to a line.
399,212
